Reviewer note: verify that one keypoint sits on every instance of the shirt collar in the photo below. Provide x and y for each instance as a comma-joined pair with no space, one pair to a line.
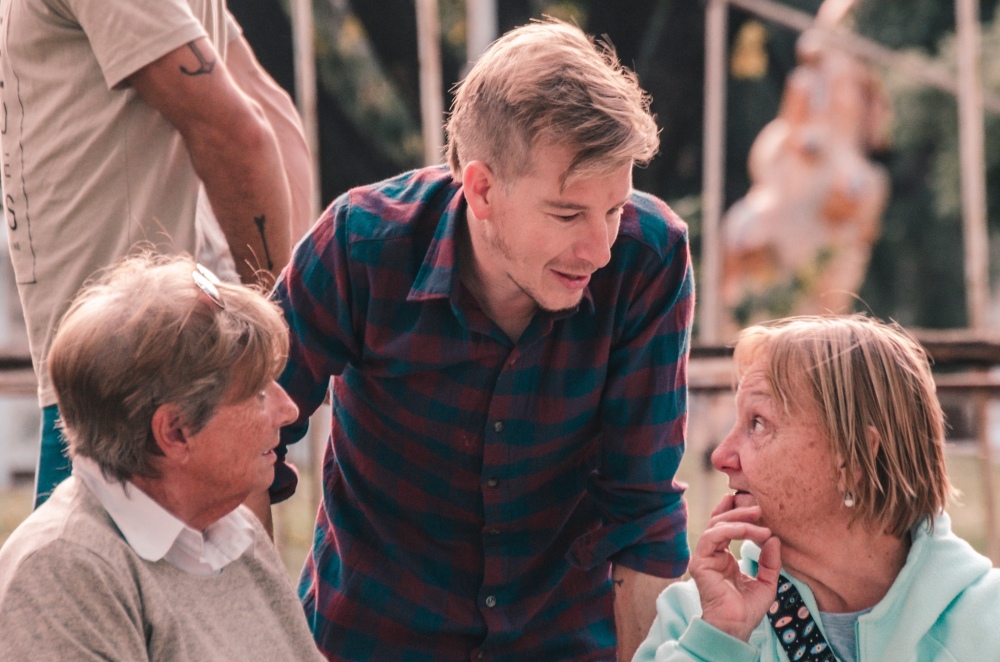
154,533
438,272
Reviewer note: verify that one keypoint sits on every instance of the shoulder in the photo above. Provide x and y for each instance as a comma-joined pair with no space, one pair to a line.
976,607
393,207
65,556
650,267
965,630
68,589
651,223
71,528
954,590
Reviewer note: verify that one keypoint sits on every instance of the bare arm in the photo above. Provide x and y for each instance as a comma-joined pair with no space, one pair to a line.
635,607
233,150
287,126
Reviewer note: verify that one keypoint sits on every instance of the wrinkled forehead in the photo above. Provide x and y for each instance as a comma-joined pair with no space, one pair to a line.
754,387
764,383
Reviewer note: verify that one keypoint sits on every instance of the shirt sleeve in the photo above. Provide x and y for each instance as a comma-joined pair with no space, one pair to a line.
64,603
644,411
126,36
233,28
678,632
315,294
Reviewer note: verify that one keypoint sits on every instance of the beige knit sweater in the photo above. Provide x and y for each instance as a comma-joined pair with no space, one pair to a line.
71,588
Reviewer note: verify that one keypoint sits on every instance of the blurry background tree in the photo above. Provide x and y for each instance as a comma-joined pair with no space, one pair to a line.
915,273
368,105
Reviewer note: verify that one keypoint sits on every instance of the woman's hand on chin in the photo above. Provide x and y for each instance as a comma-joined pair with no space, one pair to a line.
732,601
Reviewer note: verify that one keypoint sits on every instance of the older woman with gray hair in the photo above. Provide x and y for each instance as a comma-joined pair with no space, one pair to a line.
165,381
836,462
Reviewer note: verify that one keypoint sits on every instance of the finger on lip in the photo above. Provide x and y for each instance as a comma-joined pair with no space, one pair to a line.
748,514
724,532
727,503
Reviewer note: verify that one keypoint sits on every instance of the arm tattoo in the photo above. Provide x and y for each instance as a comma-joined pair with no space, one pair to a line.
259,221
204,66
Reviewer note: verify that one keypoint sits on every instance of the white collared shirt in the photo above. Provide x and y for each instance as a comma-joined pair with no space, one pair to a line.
154,533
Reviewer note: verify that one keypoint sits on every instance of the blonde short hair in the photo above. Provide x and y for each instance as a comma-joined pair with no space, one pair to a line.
142,334
549,83
862,376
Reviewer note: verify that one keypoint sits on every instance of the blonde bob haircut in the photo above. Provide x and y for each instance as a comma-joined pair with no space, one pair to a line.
143,334
547,83
871,384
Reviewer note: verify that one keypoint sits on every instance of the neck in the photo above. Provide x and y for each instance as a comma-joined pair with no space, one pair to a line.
502,301
847,569
176,499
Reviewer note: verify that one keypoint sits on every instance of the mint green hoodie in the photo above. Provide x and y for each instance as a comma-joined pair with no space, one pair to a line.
944,607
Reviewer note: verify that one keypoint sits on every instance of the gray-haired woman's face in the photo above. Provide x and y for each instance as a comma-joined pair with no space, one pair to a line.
233,456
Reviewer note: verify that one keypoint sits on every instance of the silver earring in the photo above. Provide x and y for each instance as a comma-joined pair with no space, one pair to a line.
849,500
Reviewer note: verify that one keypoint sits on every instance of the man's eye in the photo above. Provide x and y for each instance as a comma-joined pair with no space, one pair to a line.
568,217
756,425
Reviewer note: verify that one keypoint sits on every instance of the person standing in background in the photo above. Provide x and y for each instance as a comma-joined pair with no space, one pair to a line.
143,123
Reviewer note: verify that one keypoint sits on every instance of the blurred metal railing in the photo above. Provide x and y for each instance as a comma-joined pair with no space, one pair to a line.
962,359
17,378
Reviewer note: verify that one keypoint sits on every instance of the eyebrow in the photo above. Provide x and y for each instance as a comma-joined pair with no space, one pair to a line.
571,206
563,205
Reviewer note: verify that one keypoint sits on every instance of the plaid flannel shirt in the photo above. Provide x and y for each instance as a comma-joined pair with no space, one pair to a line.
476,488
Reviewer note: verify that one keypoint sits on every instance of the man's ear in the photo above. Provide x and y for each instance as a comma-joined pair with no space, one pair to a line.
479,186
170,431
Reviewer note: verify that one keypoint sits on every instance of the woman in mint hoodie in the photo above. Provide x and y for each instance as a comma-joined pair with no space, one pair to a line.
836,462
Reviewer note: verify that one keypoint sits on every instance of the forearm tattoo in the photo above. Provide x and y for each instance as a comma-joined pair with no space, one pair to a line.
259,221
205,66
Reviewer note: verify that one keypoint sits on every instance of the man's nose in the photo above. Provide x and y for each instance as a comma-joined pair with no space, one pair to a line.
595,244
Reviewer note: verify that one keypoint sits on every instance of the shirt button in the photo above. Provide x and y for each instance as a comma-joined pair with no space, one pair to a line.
493,482
498,426
479,655
491,601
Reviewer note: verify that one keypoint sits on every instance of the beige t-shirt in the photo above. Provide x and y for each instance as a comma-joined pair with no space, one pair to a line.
90,170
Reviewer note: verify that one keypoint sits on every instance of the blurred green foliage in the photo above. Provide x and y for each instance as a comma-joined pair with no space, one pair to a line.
916,274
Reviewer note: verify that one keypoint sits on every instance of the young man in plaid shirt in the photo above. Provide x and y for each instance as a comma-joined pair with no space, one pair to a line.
507,338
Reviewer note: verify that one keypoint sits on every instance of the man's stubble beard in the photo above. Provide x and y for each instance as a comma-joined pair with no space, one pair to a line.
496,241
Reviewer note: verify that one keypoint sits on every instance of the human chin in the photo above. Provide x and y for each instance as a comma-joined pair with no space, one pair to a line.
264,476
556,300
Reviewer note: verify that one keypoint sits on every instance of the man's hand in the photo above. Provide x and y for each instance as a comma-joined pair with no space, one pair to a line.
635,607
732,601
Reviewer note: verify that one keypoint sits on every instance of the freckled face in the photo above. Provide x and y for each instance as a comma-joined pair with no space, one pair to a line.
546,240
233,454
781,461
